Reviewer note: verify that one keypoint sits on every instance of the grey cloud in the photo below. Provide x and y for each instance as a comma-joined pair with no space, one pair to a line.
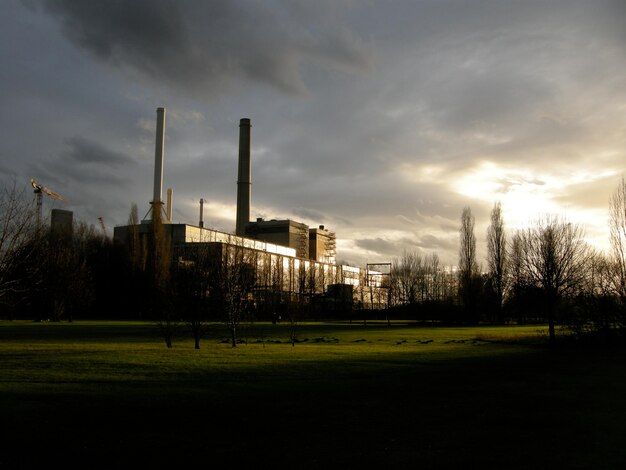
435,244
118,30
84,151
378,245
201,47
310,214
422,244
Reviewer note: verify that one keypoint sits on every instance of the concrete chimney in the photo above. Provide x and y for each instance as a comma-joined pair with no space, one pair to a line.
244,180
157,200
201,224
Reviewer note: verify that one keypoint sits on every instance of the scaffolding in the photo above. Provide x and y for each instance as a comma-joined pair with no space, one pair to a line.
330,248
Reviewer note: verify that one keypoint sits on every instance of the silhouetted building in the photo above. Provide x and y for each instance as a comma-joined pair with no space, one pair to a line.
61,222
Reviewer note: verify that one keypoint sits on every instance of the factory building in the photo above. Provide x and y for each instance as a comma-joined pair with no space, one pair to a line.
286,256
281,232
322,245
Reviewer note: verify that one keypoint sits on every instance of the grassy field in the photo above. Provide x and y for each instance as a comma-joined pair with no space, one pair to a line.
110,395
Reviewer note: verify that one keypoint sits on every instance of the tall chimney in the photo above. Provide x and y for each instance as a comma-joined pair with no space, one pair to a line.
201,224
158,161
244,181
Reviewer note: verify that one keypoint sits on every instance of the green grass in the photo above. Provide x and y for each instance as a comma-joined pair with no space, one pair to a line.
110,394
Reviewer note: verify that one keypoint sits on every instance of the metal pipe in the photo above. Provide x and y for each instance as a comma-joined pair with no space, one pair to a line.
244,179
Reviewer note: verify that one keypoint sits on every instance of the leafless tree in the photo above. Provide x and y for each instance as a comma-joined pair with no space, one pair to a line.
236,278
18,235
496,258
433,277
294,312
417,279
137,248
516,276
158,268
66,278
617,226
599,309
191,281
469,276
554,260
405,274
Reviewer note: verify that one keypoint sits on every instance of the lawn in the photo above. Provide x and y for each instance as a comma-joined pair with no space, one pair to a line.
111,395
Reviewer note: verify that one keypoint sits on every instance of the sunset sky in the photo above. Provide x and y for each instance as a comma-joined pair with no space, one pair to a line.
379,119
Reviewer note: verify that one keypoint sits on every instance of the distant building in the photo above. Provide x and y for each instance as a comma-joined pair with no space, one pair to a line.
61,221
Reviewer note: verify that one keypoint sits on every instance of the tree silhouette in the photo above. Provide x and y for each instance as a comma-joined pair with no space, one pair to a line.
496,259
469,276
19,234
617,226
554,260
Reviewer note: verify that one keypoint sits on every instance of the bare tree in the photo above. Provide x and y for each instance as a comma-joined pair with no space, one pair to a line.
236,277
67,281
137,251
405,274
158,264
599,309
496,258
469,276
433,277
191,282
18,235
554,260
617,226
294,312
516,277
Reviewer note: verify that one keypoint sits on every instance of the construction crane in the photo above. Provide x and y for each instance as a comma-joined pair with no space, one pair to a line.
39,190
104,230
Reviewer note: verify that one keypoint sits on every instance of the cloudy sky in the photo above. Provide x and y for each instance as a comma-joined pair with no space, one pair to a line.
379,119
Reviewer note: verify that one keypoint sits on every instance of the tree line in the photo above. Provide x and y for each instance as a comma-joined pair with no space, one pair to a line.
543,273
49,273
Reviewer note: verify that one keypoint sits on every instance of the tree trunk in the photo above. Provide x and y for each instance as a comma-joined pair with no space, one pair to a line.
233,336
551,329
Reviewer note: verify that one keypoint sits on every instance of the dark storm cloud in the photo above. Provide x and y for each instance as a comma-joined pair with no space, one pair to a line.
201,47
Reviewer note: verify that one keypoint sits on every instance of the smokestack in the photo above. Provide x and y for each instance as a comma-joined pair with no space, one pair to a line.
201,224
244,181
158,160
168,206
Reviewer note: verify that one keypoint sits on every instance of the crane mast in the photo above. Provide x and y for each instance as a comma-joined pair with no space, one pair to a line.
39,190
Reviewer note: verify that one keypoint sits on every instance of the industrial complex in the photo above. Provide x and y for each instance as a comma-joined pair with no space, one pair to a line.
287,256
